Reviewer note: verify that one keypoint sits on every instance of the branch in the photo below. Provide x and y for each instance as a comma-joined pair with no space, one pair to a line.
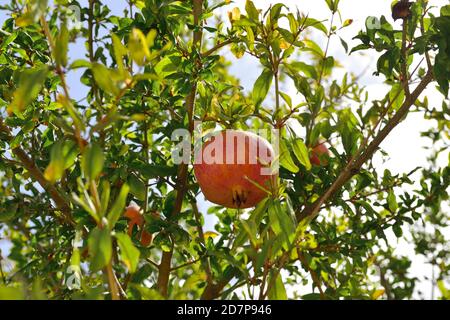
217,47
184,265
56,195
354,165
314,275
404,64
113,288
214,290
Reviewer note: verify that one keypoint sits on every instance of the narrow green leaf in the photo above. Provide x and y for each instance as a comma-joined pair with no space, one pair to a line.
287,99
286,160
120,51
61,46
100,248
30,84
397,228
261,87
392,202
104,198
137,187
80,63
301,152
152,171
129,254
109,80
396,96
118,206
251,10
92,161
278,291
55,168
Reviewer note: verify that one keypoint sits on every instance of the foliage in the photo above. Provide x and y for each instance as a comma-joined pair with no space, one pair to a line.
68,168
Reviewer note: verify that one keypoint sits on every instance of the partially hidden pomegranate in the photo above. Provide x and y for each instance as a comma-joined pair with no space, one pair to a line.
319,153
133,213
233,169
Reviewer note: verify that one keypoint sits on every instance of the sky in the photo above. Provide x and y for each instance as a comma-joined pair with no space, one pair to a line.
404,145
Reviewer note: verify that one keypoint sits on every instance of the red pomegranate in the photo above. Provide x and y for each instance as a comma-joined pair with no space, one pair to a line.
233,169
133,213
319,152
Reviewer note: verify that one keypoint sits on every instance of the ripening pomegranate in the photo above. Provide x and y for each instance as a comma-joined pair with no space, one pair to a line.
319,153
133,213
233,169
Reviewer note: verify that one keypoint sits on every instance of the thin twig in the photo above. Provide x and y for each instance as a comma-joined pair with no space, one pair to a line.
217,47
189,263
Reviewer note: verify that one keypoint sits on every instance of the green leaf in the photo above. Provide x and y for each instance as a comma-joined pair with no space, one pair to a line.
100,248
62,156
287,99
237,49
118,206
277,291
80,63
311,296
35,9
120,51
104,198
61,46
308,70
251,10
138,46
250,228
30,84
344,44
8,211
109,80
281,223
92,161
396,96
286,160
310,22
11,293
250,38
392,202
441,284
332,5
128,252
301,152
152,171
261,87
137,187
397,228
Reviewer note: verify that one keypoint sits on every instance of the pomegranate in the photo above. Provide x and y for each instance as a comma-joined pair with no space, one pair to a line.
133,213
233,169
319,152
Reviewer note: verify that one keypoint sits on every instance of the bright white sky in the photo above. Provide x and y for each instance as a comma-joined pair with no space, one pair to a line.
404,145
